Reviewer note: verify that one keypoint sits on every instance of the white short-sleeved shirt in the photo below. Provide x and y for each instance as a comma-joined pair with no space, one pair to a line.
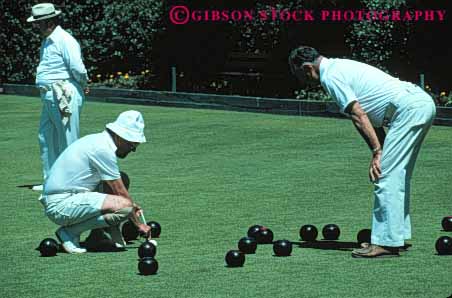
60,59
348,80
83,165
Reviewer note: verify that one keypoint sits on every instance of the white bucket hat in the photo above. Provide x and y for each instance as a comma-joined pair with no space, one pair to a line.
43,11
130,126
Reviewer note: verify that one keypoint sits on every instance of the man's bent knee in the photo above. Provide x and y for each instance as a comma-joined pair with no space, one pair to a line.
118,216
114,203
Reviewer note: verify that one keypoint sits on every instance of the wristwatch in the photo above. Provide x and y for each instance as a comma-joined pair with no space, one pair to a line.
376,150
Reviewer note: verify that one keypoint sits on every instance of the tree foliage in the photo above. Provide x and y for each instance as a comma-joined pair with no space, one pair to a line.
374,41
113,35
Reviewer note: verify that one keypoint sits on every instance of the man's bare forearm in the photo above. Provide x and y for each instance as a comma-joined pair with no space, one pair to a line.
381,135
118,188
364,127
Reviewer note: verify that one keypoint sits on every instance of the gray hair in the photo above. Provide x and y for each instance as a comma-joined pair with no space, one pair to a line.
301,55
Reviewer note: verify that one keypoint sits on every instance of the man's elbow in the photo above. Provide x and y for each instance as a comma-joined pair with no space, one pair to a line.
355,110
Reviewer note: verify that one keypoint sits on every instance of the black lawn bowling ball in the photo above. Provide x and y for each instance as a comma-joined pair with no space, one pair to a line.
363,236
282,248
234,258
129,231
247,245
148,266
48,247
444,245
447,223
147,250
331,232
156,229
265,236
308,233
254,231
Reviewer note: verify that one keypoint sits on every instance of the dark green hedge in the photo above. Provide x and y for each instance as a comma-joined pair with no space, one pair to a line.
377,42
121,36
19,47
114,35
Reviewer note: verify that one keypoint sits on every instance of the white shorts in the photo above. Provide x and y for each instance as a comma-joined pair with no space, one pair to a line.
67,209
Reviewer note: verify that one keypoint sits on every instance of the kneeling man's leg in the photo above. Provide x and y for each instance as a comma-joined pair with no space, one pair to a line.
115,210
109,212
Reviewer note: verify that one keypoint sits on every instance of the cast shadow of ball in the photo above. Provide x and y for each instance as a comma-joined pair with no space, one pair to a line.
103,246
328,245
56,255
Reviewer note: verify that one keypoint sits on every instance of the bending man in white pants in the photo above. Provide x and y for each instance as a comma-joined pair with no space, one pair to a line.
62,79
69,197
373,98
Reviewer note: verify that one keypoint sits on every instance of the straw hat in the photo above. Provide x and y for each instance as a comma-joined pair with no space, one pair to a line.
43,11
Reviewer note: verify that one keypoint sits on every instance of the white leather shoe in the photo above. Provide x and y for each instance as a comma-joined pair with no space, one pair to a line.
69,242
37,188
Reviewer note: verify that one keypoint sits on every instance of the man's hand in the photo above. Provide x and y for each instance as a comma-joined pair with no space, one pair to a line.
375,167
87,90
367,131
138,209
145,230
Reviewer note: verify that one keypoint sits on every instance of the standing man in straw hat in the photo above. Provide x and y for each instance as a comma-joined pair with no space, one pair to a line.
62,80
69,195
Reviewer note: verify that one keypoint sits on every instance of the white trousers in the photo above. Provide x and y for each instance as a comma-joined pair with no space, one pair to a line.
68,209
413,117
76,212
53,136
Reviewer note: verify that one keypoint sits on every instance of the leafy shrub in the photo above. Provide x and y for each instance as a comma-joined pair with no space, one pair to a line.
373,41
313,94
19,50
123,80
444,100
113,35
441,98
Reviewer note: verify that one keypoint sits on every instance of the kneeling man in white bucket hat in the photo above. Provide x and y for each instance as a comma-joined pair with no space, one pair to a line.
69,195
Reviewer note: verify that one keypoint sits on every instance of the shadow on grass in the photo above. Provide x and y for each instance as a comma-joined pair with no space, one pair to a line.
103,246
328,245
135,244
51,256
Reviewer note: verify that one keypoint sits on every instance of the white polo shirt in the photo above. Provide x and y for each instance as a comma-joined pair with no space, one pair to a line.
83,165
60,59
348,80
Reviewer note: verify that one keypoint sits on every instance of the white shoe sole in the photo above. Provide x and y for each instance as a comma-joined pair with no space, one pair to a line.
68,245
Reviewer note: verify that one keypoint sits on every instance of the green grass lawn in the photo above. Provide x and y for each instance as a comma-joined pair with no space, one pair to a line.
206,176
